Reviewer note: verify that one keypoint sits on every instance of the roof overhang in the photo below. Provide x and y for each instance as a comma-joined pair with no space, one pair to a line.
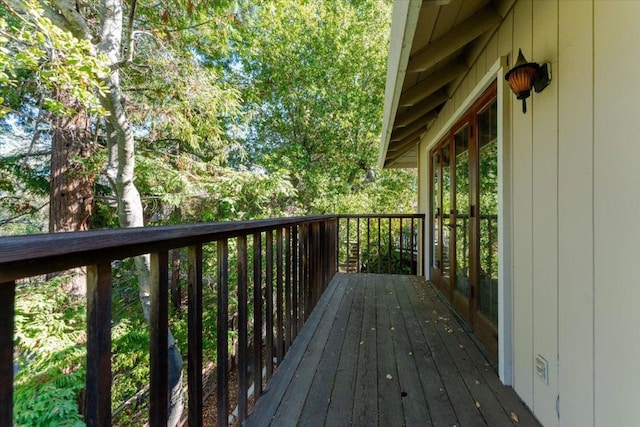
431,48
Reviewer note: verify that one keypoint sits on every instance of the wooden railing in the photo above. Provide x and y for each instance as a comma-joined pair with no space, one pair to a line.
291,260
381,243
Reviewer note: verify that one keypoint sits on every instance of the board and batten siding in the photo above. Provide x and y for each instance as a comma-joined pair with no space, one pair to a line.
572,171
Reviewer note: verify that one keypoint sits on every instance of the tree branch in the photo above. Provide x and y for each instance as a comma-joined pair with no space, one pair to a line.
76,24
5,221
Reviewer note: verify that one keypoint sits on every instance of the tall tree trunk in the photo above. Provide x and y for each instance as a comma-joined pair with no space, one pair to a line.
71,188
122,174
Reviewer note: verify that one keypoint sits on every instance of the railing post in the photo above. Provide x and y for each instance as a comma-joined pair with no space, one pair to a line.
158,339
7,325
269,304
98,380
294,280
257,313
348,247
337,242
194,354
389,256
223,332
414,265
423,235
358,244
379,243
287,288
368,245
401,246
242,328
279,298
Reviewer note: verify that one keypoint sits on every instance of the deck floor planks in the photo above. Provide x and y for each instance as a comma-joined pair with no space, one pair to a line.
484,399
290,409
365,405
365,330
342,395
440,408
317,401
413,398
271,397
390,410
463,403
505,395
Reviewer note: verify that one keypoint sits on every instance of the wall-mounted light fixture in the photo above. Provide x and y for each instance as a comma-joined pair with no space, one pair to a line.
525,75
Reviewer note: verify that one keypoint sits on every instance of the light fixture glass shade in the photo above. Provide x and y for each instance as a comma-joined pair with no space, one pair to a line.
521,78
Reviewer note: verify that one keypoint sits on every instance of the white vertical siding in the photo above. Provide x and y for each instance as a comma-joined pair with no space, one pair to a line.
616,171
572,187
574,77
544,113
522,141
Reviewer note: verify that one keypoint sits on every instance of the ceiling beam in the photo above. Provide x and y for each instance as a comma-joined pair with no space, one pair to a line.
431,84
406,146
421,108
398,144
402,133
454,39
435,2
424,120
391,160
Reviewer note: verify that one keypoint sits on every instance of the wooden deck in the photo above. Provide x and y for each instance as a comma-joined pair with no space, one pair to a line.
384,350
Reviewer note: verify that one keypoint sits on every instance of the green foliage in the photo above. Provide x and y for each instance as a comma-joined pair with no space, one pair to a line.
50,342
52,59
313,77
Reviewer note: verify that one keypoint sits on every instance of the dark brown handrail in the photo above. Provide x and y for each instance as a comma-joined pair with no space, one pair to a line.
35,254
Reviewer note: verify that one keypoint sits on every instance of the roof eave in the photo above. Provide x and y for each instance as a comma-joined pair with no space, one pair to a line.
403,28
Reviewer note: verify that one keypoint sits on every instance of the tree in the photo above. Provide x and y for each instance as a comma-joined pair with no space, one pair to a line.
313,76
97,44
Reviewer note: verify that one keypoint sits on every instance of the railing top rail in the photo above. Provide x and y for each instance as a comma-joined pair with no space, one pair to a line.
393,216
31,255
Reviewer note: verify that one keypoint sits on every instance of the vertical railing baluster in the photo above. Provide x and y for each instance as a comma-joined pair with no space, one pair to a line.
7,326
413,249
257,313
401,247
222,342
305,271
358,244
194,354
389,251
337,237
379,243
269,304
423,235
158,339
287,288
368,245
294,279
301,276
279,297
313,263
348,246
98,380
242,328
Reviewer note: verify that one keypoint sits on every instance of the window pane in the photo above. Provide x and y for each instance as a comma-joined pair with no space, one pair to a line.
461,139
488,210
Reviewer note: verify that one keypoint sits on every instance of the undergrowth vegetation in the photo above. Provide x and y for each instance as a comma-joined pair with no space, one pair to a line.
51,347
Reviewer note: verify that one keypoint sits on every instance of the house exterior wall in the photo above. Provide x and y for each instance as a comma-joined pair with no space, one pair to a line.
571,177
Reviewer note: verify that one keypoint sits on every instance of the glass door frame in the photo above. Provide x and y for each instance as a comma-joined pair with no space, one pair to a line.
467,308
